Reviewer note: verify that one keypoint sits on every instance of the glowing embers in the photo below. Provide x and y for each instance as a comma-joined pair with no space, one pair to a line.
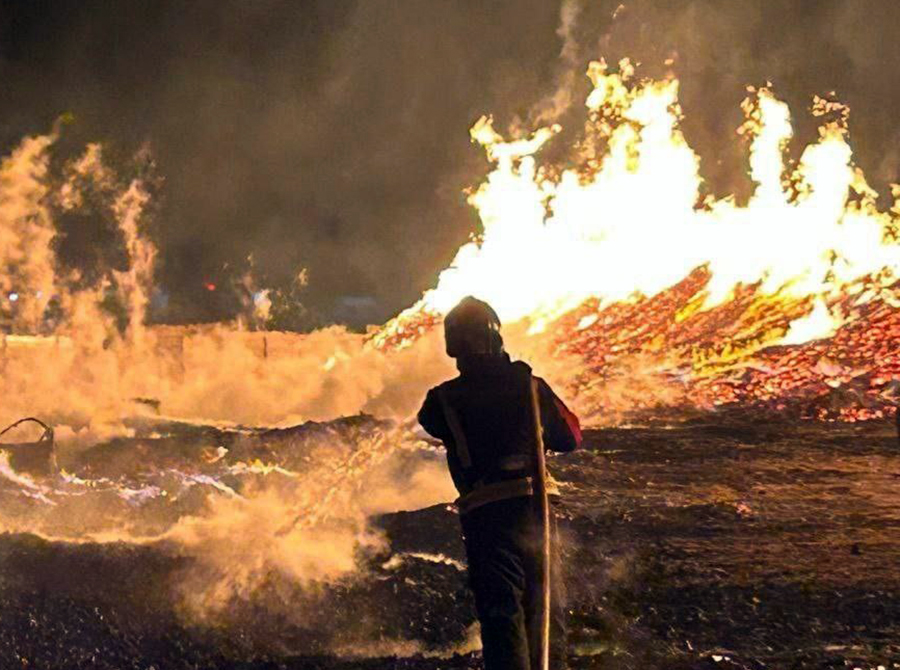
662,351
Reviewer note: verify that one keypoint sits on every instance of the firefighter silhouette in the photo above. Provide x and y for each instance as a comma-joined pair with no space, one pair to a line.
486,420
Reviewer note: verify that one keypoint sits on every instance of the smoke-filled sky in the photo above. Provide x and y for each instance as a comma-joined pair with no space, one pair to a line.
333,135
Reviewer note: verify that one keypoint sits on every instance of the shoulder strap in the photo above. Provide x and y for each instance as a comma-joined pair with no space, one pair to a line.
459,437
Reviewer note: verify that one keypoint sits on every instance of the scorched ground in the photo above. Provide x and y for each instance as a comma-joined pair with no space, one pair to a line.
726,540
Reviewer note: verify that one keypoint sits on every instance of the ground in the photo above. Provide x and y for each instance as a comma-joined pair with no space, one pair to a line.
724,541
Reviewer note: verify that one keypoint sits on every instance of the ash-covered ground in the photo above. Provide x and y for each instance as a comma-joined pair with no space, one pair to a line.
726,541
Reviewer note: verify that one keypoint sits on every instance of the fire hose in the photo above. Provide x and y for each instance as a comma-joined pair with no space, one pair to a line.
542,504
48,431
34,457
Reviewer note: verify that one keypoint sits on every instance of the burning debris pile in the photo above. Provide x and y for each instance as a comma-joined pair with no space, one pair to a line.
657,295
720,357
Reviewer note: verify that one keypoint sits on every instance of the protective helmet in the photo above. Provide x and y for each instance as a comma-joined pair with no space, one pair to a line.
472,328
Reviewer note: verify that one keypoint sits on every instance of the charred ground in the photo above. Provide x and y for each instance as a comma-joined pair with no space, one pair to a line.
736,540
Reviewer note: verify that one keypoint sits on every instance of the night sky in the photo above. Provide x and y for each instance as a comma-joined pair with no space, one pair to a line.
334,135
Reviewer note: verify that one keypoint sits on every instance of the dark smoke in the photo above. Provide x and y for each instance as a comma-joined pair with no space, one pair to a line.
333,135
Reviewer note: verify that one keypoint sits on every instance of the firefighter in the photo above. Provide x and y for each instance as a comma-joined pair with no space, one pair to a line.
485,419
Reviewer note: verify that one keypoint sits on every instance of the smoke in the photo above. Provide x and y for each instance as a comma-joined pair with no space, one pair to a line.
803,49
320,135
549,109
248,531
104,357
307,529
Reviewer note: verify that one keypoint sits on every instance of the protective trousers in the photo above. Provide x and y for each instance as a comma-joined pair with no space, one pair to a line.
503,545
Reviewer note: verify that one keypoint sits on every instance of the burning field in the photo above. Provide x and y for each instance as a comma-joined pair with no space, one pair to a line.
226,496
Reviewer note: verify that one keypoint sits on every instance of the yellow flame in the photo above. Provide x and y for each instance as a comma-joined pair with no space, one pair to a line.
632,220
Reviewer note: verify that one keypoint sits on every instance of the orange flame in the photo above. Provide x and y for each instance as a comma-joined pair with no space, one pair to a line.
628,229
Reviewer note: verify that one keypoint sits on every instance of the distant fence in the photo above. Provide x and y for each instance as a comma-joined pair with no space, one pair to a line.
173,344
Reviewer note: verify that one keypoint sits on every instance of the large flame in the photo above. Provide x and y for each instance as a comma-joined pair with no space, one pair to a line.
631,219
628,227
